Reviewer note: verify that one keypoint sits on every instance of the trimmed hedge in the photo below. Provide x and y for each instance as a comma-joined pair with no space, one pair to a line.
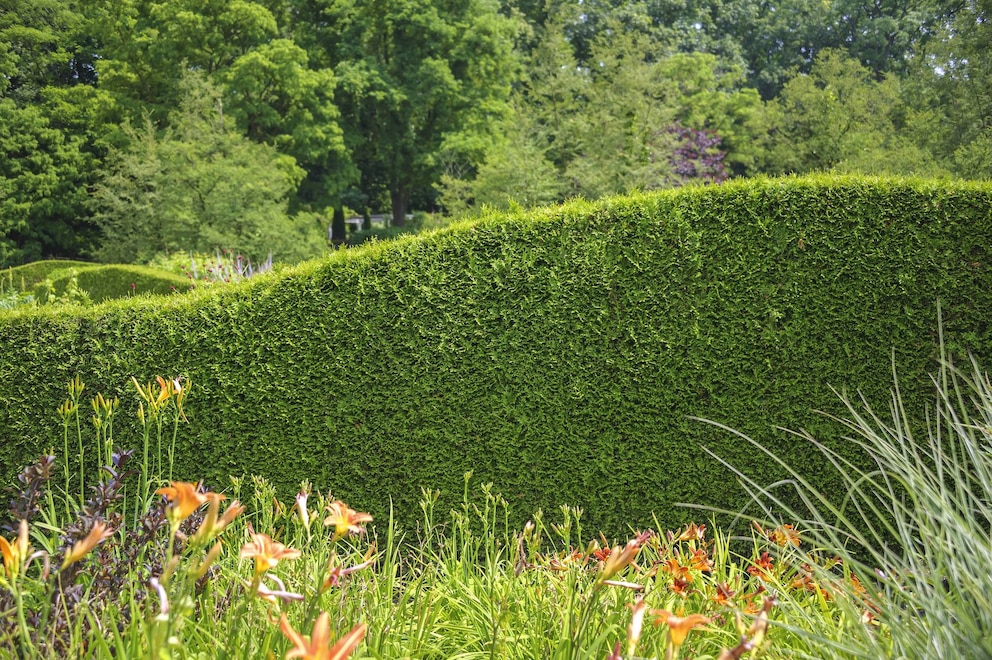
557,353
25,277
107,282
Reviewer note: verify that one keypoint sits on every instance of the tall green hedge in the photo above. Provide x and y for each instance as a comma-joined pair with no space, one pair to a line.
557,353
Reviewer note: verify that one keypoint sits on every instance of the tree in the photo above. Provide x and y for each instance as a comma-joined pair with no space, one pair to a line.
146,47
950,92
201,185
414,77
49,155
840,117
515,172
277,99
39,195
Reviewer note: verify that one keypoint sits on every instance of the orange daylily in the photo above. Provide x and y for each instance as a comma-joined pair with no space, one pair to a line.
82,548
212,525
676,570
267,553
317,646
14,553
782,535
679,627
184,499
693,532
562,561
682,587
345,521
618,560
763,566
701,561
724,596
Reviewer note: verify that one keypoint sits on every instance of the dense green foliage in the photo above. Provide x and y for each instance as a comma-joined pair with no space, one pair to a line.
107,281
26,276
98,281
397,105
557,354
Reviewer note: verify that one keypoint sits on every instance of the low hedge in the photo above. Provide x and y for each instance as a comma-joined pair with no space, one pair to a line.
106,282
24,278
558,353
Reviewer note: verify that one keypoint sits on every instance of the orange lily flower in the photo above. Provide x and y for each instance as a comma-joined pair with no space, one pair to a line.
763,566
724,596
266,552
618,560
16,552
184,499
82,548
679,627
781,536
317,646
346,521
700,561
212,525
676,570
693,533
682,587
165,390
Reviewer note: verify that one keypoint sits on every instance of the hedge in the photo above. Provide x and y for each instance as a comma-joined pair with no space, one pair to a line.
109,281
25,277
558,353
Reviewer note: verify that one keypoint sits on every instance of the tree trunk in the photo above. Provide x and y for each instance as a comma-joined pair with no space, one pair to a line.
401,198
338,229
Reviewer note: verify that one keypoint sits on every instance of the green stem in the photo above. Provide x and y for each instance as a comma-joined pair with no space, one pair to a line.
65,453
82,462
172,447
22,623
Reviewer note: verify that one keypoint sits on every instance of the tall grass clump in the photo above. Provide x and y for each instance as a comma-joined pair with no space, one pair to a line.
913,533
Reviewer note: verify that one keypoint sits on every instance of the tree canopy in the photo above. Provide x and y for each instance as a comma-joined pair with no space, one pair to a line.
393,105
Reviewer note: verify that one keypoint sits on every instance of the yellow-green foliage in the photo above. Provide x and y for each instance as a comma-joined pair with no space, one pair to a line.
105,282
557,353
25,277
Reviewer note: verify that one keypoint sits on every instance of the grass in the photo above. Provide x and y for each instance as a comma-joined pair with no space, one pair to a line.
126,563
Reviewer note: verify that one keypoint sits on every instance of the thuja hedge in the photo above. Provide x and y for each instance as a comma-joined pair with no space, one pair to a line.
25,277
559,354
108,281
